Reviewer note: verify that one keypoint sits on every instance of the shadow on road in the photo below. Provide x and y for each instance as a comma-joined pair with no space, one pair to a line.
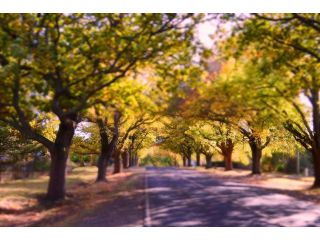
189,198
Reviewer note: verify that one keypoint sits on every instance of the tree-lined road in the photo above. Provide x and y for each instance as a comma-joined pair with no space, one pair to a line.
176,197
159,197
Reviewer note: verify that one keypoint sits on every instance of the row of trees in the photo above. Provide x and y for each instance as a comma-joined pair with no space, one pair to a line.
62,67
262,88
113,83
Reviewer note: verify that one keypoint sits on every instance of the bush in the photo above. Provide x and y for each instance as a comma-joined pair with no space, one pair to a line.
236,164
80,160
42,164
305,162
283,162
274,163
158,161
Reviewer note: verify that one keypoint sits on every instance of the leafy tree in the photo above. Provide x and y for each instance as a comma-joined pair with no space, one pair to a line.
231,100
58,63
288,51
176,136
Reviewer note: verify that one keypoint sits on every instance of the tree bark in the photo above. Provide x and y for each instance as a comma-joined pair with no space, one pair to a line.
256,158
198,158
227,157
125,159
59,156
130,158
102,160
316,164
136,159
228,160
208,160
226,148
102,167
316,136
189,159
184,161
107,148
117,162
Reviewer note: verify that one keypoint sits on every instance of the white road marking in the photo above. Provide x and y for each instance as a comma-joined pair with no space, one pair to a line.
147,219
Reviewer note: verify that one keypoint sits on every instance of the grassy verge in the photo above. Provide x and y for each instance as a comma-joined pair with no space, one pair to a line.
19,204
298,185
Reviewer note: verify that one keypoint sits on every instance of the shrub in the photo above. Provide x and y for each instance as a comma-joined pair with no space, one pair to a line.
235,164
274,163
283,162
42,164
80,160
158,161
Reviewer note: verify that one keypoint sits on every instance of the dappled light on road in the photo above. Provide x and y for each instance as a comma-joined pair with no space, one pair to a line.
189,198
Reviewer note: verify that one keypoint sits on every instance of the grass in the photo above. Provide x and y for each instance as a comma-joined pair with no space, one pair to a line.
20,205
29,188
273,180
19,198
292,183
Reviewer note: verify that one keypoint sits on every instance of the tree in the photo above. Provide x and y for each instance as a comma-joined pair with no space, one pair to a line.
224,138
58,63
232,102
288,51
175,136
134,124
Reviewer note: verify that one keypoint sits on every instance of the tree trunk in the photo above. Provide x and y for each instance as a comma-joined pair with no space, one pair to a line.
189,160
117,163
316,164
226,148
125,159
59,156
227,156
256,158
184,161
130,158
208,160
136,159
102,167
102,160
198,158
107,148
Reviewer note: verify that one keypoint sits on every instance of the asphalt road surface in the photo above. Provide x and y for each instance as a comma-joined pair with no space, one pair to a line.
176,197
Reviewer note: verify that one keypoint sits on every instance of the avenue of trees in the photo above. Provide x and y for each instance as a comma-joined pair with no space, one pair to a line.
260,88
110,85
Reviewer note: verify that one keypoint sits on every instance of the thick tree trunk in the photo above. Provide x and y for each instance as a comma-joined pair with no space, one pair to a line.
228,160
256,158
107,147
59,156
189,160
226,148
198,158
208,160
117,163
102,167
125,159
184,161
136,159
102,160
130,158
316,164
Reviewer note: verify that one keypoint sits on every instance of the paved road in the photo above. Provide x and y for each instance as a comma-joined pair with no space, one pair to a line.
176,197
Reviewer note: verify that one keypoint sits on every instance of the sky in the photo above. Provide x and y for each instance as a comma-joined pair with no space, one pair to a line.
204,32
